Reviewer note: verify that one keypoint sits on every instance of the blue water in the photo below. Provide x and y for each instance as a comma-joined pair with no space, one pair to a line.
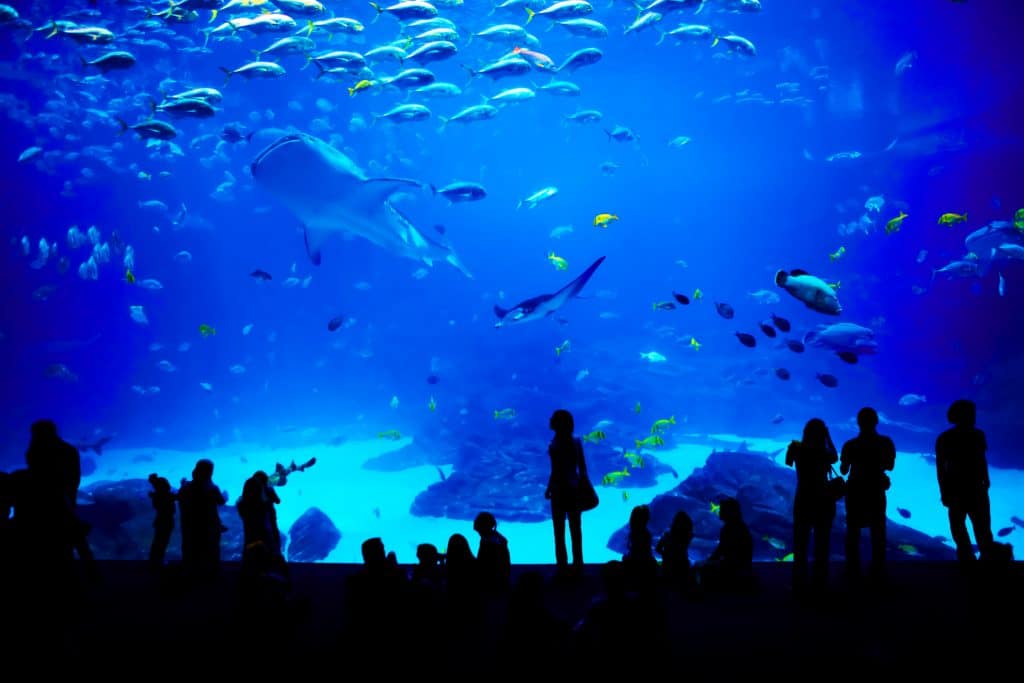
751,193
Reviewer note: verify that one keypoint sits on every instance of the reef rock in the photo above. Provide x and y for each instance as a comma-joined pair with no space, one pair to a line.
509,479
313,537
121,517
765,491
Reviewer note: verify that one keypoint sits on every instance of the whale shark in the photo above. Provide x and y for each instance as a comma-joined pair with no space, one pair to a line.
331,195
540,307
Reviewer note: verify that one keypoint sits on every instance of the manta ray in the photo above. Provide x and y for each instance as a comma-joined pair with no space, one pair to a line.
540,307
330,194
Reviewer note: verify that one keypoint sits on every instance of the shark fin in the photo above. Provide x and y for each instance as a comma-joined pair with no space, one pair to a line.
314,240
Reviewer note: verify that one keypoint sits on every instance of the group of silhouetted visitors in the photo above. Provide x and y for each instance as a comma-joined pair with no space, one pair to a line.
866,459
46,531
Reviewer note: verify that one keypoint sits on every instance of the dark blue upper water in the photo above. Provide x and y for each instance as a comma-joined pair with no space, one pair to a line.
751,193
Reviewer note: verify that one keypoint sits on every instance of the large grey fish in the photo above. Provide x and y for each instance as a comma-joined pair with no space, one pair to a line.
330,194
540,307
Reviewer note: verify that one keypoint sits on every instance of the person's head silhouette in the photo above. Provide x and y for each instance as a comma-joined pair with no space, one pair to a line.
562,423
203,471
639,517
44,430
485,523
373,552
815,433
458,549
962,413
729,510
867,419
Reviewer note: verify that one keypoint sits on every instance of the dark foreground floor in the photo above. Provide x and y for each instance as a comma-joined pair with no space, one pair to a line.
929,618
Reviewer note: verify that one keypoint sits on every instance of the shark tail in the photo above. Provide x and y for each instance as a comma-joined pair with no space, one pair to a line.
227,74
213,15
530,14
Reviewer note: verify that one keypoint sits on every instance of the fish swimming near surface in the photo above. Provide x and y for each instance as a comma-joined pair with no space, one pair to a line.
330,194
540,307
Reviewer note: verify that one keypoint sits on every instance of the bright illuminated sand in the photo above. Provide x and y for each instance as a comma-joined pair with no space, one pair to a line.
350,495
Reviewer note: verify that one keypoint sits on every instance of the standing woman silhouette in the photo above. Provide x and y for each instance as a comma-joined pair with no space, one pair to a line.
813,509
568,469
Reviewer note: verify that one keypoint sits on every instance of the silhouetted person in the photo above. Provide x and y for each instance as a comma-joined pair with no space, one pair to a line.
261,550
56,473
962,469
813,508
674,548
641,567
730,565
461,574
493,559
163,500
428,572
462,592
866,458
375,601
568,469
199,502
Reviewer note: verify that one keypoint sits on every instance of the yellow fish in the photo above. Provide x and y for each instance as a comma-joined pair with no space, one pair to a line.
562,348
715,508
1018,220
391,435
661,425
505,414
635,460
837,255
694,344
895,224
602,220
835,285
788,557
952,218
650,442
625,496
129,276
558,262
697,294
612,478
594,436
360,86
207,331
908,549
636,408
432,404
